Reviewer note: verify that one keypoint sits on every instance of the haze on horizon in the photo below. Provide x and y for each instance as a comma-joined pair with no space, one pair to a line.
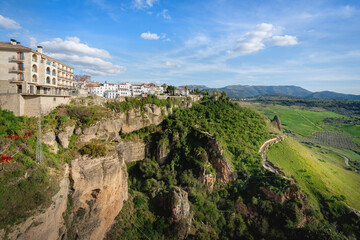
312,44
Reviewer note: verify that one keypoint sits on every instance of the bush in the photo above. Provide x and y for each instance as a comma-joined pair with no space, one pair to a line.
93,150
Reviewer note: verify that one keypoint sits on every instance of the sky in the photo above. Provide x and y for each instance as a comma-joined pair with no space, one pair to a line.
312,44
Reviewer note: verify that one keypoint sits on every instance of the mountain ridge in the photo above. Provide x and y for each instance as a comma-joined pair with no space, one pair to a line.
245,91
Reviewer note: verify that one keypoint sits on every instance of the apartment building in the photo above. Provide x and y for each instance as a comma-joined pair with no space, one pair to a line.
32,83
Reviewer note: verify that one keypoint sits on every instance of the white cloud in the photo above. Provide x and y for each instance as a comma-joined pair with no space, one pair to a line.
91,65
198,40
286,40
73,45
150,36
32,42
165,14
264,27
141,4
87,59
8,23
255,41
170,64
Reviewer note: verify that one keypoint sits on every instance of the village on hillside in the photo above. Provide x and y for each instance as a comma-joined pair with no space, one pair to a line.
33,83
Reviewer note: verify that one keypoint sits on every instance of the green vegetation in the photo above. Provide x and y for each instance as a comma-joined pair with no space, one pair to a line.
25,180
322,175
317,170
299,122
139,102
236,210
93,149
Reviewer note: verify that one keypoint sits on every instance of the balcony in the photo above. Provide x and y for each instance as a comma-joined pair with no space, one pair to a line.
16,70
16,59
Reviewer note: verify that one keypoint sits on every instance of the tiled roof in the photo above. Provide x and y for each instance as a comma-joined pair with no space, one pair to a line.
9,46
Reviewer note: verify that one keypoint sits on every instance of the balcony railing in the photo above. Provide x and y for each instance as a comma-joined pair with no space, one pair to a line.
16,59
54,74
48,62
16,70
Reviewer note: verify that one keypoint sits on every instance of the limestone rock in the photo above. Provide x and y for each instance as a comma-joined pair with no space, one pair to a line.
100,188
50,223
276,122
131,150
179,204
162,151
49,138
208,180
64,136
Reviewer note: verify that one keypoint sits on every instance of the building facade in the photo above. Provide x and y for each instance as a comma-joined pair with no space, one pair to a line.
113,90
31,77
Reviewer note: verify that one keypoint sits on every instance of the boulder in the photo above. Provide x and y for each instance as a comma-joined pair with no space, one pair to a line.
64,136
49,138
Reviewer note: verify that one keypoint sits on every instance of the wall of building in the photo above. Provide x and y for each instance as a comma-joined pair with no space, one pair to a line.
12,102
32,104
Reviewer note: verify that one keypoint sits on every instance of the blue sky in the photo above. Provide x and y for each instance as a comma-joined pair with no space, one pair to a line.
313,44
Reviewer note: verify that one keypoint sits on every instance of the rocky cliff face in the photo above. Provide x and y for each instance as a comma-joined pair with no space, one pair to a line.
50,223
99,189
126,122
131,150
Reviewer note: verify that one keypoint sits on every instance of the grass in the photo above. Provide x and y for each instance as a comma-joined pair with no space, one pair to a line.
317,171
298,121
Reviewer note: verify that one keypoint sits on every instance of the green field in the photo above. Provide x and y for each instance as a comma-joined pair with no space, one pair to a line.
317,171
299,122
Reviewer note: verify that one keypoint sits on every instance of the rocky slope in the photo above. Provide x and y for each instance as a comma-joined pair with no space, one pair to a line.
99,185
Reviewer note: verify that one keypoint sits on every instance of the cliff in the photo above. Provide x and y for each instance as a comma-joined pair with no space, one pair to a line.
48,224
99,190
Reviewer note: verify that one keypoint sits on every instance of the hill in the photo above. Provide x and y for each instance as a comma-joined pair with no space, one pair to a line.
246,91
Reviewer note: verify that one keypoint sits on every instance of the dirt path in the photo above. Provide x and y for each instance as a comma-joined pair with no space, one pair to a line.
266,163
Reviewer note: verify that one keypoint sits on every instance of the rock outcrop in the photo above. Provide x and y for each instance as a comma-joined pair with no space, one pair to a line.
276,122
99,189
64,136
125,122
208,179
223,170
178,204
175,205
131,150
50,223
49,138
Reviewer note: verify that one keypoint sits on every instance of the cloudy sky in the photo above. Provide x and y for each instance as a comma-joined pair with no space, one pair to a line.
313,44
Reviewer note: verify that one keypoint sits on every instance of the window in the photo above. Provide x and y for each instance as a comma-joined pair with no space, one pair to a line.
19,88
20,55
21,77
34,78
34,68
48,70
20,66
48,80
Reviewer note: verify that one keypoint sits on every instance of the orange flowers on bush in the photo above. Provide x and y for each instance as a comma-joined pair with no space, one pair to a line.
6,159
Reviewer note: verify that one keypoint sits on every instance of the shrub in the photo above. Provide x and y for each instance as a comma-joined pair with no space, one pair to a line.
93,149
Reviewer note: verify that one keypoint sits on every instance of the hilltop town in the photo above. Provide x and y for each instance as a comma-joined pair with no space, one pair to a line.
33,83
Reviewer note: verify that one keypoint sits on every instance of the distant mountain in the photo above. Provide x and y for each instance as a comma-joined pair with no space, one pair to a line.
246,91
334,95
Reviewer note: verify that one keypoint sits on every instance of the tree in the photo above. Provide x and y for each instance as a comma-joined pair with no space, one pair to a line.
82,77
171,90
